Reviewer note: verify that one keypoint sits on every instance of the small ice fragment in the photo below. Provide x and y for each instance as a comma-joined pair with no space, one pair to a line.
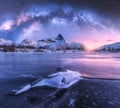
71,102
25,88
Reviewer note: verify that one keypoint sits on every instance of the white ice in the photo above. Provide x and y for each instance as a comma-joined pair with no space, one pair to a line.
71,102
57,80
25,88
60,79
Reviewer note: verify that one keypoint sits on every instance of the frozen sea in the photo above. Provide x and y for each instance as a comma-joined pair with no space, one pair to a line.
93,65
99,88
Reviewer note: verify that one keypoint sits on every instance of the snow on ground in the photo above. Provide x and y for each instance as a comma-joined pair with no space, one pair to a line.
57,80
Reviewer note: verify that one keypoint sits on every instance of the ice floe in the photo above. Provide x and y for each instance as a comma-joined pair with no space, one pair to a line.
58,80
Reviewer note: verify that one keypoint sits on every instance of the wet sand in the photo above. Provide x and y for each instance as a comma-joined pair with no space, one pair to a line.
87,93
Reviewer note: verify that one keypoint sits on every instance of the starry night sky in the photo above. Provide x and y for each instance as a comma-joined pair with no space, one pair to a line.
91,22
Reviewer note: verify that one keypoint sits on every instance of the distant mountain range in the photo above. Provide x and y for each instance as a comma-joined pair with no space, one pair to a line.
52,44
115,47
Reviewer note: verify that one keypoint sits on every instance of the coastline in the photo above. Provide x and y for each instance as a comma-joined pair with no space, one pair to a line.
93,91
87,93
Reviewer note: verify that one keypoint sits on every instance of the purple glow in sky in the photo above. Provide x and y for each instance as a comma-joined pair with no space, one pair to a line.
78,21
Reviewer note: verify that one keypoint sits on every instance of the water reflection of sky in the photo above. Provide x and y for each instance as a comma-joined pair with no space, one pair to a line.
93,65
96,65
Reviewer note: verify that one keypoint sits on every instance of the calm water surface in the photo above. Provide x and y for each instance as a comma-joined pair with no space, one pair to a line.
95,65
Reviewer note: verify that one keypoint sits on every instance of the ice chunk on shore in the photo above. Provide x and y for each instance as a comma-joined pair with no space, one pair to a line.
25,88
71,103
58,80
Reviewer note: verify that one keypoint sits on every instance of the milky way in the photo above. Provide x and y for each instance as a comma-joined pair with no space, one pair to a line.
91,22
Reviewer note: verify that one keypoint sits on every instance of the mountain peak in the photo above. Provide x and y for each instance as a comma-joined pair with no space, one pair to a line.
59,37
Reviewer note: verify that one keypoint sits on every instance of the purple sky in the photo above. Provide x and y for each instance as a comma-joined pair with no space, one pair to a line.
92,23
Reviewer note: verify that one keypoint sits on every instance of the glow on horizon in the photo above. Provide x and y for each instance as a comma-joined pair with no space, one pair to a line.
94,42
94,45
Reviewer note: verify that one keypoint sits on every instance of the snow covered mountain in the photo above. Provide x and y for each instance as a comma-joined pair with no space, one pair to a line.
115,47
28,43
7,45
56,43
52,44
4,42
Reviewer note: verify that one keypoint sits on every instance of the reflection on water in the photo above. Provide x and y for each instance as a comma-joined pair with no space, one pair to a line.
95,65
104,65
